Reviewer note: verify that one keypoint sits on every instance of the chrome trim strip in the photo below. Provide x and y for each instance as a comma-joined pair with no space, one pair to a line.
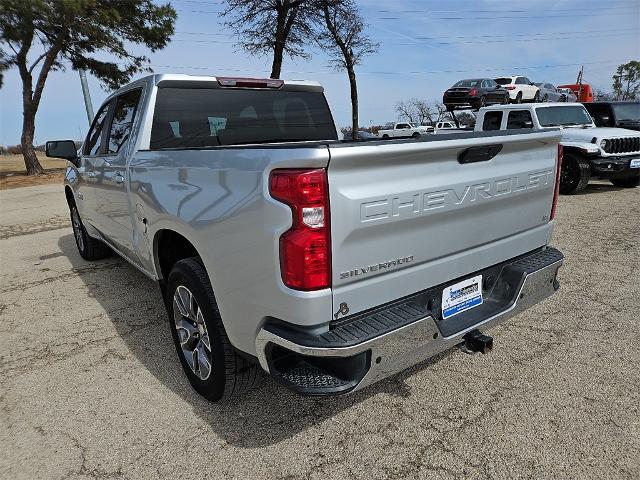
418,341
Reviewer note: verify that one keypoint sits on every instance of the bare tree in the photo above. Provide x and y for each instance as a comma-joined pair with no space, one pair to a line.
415,110
271,26
346,41
441,112
406,110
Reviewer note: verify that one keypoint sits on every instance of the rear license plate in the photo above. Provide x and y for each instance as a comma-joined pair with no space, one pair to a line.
462,296
634,163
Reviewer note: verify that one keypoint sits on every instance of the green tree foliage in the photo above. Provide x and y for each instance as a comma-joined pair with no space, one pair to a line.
92,35
626,81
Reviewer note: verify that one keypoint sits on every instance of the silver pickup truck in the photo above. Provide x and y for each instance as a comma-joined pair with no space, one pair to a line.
329,264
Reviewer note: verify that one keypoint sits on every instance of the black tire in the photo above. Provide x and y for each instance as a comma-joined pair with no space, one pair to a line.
536,97
483,101
505,100
574,174
518,98
626,182
415,135
89,248
385,136
545,98
229,373
562,98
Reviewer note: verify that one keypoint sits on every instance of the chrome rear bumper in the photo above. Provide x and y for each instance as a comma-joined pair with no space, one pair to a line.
393,351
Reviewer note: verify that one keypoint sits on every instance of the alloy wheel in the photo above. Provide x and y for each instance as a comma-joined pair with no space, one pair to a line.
76,224
192,332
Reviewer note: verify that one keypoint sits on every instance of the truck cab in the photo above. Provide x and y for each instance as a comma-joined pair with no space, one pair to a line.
589,151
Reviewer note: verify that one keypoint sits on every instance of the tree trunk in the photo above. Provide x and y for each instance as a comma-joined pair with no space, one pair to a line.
354,101
26,140
278,51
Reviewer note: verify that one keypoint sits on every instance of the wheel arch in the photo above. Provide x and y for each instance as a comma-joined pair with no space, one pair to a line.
170,246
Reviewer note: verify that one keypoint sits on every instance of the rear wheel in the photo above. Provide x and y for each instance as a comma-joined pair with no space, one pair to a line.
483,101
89,248
562,98
536,97
626,182
212,366
415,135
505,100
385,136
518,98
545,98
574,174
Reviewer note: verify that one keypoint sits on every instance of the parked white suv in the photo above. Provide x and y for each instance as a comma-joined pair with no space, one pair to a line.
520,88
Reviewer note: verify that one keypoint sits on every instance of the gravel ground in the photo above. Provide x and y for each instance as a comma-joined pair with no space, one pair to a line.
90,385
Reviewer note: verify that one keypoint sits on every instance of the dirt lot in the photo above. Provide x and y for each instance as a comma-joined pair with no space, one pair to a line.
90,385
13,174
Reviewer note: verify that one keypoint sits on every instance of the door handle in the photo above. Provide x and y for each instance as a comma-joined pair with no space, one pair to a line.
118,178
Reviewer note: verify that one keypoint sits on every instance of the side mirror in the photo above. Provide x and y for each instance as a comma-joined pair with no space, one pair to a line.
531,83
63,149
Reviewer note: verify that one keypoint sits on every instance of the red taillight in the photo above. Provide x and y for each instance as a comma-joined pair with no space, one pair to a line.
510,87
473,92
305,249
249,82
557,187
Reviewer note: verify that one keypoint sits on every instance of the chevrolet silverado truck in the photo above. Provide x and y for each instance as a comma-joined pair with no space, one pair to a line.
589,151
404,130
329,264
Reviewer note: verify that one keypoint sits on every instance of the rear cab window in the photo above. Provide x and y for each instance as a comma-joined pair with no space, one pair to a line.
518,119
207,117
492,120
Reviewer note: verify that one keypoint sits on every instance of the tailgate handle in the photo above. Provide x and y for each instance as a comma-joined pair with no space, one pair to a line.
479,154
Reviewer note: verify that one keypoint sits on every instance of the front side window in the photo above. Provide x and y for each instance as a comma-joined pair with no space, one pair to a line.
519,119
492,121
208,117
123,115
92,144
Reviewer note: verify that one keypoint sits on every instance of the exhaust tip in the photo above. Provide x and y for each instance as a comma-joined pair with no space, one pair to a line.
475,341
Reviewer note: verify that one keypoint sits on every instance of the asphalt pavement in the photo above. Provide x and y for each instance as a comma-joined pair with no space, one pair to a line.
91,387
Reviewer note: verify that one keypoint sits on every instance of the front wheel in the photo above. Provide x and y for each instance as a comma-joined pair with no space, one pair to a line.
626,182
574,174
212,366
89,248
545,98
385,136
415,135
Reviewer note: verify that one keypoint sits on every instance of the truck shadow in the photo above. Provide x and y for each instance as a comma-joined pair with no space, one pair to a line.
599,188
266,415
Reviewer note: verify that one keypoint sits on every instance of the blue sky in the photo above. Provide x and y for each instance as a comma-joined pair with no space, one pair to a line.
425,46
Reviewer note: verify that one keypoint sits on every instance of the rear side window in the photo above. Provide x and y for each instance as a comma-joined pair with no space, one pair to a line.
93,141
519,119
492,121
208,117
503,81
123,115
402,125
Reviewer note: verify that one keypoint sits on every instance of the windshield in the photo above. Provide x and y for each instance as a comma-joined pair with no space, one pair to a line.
627,111
468,83
563,116
503,81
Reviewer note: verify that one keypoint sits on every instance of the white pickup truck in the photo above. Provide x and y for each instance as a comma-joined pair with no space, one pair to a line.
405,130
589,151
329,264
449,127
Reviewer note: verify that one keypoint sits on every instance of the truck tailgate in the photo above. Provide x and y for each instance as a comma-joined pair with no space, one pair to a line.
406,216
